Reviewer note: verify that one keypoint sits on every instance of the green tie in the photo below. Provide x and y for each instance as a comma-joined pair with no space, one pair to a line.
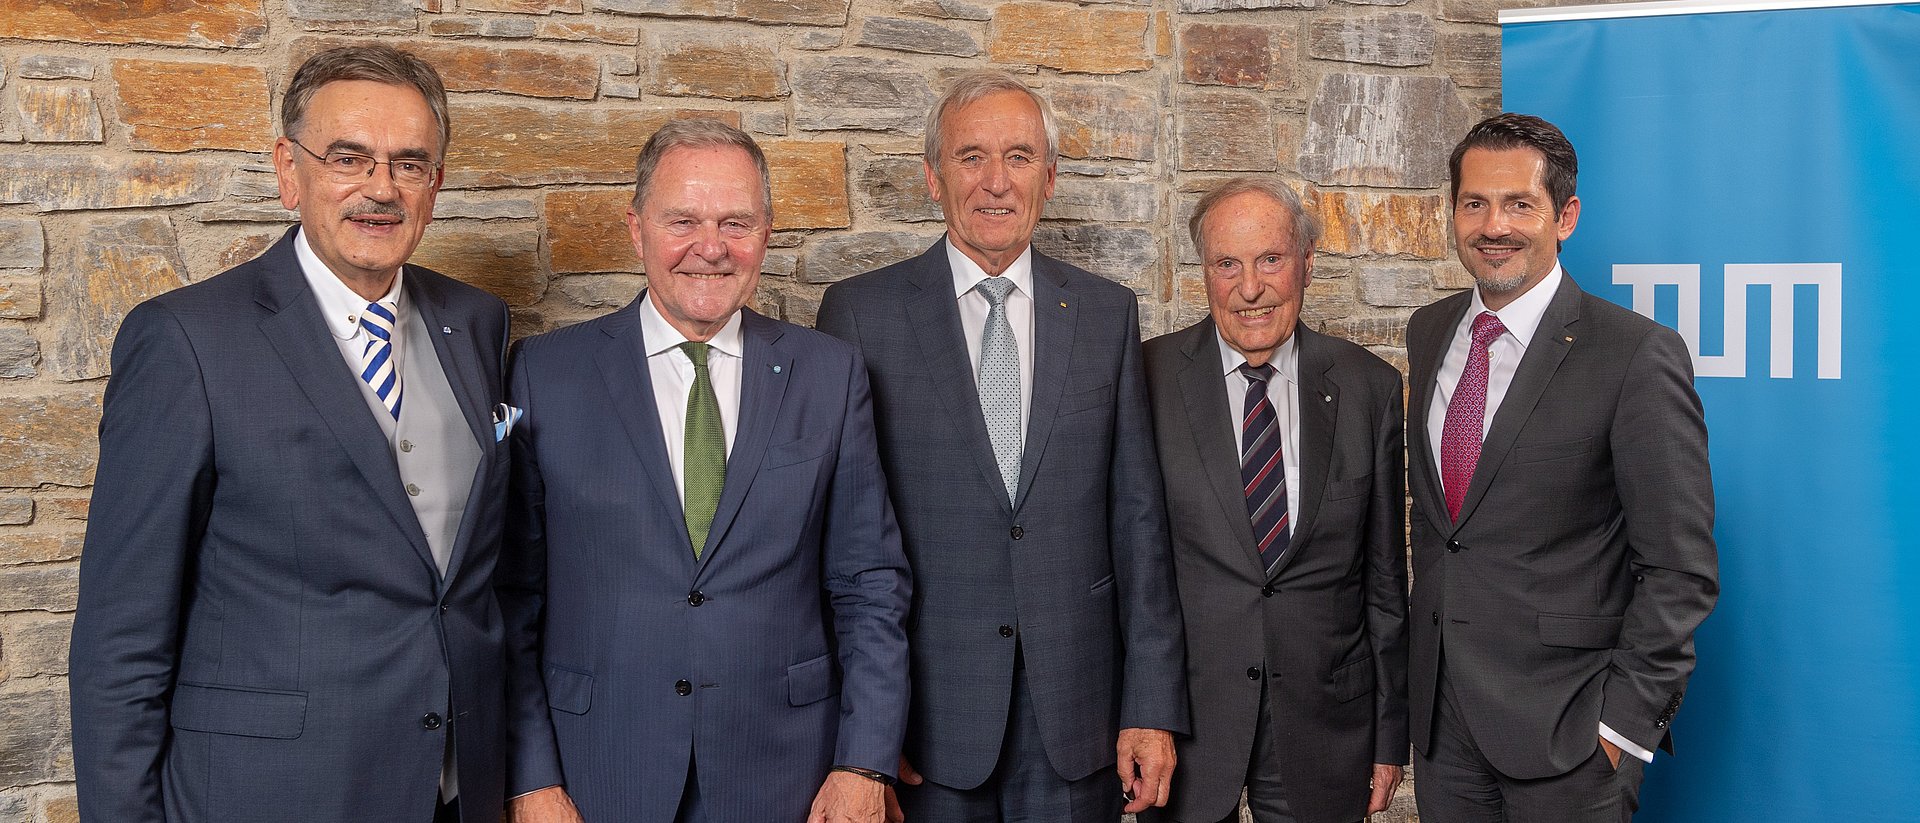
706,450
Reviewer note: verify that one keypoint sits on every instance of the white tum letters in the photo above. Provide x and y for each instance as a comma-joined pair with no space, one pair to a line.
1780,278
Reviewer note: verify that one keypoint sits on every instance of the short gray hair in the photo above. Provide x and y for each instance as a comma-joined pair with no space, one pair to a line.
1306,226
698,133
378,62
976,85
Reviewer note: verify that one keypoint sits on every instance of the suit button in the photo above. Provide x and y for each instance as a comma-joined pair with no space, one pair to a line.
430,722
1436,618
683,688
406,445
1266,591
1018,532
1253,672
1453,546
413,490
696,599
1006,631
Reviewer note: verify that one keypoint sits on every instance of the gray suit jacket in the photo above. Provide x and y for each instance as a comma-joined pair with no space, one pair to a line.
1567,592
263,634
1075,574
1328,627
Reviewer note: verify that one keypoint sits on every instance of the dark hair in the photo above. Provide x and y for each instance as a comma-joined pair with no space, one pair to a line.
375,61
1306,226
1523,131
695,133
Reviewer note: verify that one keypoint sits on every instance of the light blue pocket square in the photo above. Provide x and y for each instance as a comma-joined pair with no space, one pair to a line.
504,416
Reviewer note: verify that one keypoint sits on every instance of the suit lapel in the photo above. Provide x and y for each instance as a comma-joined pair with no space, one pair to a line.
935,316
1424,375
1210,420
1054,315
622,359
1318,407
1549,346
299,335
761,391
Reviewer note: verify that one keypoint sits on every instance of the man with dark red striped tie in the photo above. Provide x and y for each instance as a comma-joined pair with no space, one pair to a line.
1281,453
1563,511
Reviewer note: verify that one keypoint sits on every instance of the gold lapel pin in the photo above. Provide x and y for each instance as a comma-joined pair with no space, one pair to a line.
1063,305
1569,338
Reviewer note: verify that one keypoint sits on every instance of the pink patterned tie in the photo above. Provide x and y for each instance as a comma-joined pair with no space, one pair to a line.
1466,416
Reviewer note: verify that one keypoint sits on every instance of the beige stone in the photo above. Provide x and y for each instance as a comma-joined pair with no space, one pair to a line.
589,32
198,23
696,61
523,6
1071,38
1102,121
18,547
16,510
20,298
529,72
232,107
59,114
52,587
586,231
503,258
809,184
55,182
62,507
523,145
1226,131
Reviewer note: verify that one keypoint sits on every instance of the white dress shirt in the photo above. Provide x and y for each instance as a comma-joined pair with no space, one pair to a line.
974,308
1522,319
1283,391
672,373
340,307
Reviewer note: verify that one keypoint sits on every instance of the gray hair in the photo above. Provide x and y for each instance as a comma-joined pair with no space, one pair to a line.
976,85
1306,226
378,62
698,133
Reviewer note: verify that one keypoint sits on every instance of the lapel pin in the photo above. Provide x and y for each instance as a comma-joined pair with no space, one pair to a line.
776,369
1063,305
446,329
1327,397
1569,338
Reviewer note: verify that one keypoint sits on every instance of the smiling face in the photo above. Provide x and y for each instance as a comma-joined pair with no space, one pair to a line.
993,177
1256,273
702,233
1504,226
362,229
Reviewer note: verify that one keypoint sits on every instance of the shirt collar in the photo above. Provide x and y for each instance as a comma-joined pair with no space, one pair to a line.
967,274
1285,359
1522,316
340,306
659,335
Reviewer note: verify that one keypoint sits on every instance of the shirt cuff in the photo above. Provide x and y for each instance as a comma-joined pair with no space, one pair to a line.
1625,745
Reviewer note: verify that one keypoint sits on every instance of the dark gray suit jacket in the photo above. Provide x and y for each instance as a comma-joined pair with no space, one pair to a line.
1328,627
1567,592
262,630
1075,574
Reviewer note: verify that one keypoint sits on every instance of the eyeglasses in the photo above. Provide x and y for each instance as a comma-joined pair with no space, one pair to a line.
349,167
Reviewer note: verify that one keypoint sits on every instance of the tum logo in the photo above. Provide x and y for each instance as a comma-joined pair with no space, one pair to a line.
1779,278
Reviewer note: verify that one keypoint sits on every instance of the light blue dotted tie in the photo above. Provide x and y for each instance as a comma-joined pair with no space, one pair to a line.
999,382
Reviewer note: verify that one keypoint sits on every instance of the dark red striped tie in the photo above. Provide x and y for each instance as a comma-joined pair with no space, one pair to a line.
1263,475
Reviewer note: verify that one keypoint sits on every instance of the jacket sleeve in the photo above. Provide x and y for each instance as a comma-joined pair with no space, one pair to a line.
1386,575
520,582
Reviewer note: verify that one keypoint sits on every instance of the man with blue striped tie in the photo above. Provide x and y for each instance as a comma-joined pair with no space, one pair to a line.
286,610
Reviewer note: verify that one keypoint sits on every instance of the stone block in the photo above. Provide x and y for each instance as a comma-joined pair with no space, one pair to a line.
528,72
58,114
36,739
1486,11
243,249
1210,6
587,232
1449,275
780,264
254,183
601,292
61,507
522,145
795,12
1101,121
1393,39
1379,130
19,298
207,24
1071,38
57,182
831,259
800,308
457,27
1471,58
850,92
501,258
893,188
480,206
259,212
109,268
16,805
523,6
22,244
1395,286
809,179
62,805
1226,131
620,65
622,88
1124,255
1248,56
16,510
19,353
587,32
947,9
697,61
33,644
42,587
54,67
357,16
772,122
820,39
1104,201
1369,331
232,106
1382,224
22,547
919,36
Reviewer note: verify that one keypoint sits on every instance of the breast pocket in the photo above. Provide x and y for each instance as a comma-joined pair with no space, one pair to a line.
1077,402
1350,487
807,448
1543,452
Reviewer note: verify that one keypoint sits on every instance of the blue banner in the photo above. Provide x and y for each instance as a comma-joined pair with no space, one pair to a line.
1751,178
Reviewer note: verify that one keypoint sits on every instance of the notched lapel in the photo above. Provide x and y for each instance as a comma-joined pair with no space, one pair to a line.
1054,317
1210,420
622,359
762,391
935,315
1319,407
1548,348
1421,386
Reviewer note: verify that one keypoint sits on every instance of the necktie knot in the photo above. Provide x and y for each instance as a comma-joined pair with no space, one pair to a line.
1260,374
995,289
697,352
1487,328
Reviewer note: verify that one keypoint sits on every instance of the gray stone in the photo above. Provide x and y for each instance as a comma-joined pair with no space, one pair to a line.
1396,286
510,27
1471,58
820,39
1394,39
1226,131
625,89
1106,121
19,298
19,353
1208,6
1487,11
36,743
948,9
845,92
253,185
919,36
35,644
893,187
620,65
786,239
16,805
780,264
1105,201
1376,2
22,244
1376,130
478,206
41,587
109,269
1124,255
799,308
1369,331
54,67
599,291
842,256
264,212
16,510
56,182
765,122
384,15
59,114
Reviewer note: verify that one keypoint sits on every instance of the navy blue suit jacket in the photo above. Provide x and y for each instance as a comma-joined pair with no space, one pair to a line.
1076,573
779,652
262,630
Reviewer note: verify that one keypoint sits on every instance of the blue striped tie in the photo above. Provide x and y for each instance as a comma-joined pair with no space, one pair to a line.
1263,474
377,366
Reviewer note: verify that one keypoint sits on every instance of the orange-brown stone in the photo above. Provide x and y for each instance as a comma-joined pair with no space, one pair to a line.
586,231
59,114
522,6
232,107
519,145
1071,38
687,62
1236,55
504,260
809,184
206,24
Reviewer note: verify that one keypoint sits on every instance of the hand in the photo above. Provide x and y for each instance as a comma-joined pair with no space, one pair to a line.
548,805
1385,780
1151,751
908,776
1613,752
848,798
